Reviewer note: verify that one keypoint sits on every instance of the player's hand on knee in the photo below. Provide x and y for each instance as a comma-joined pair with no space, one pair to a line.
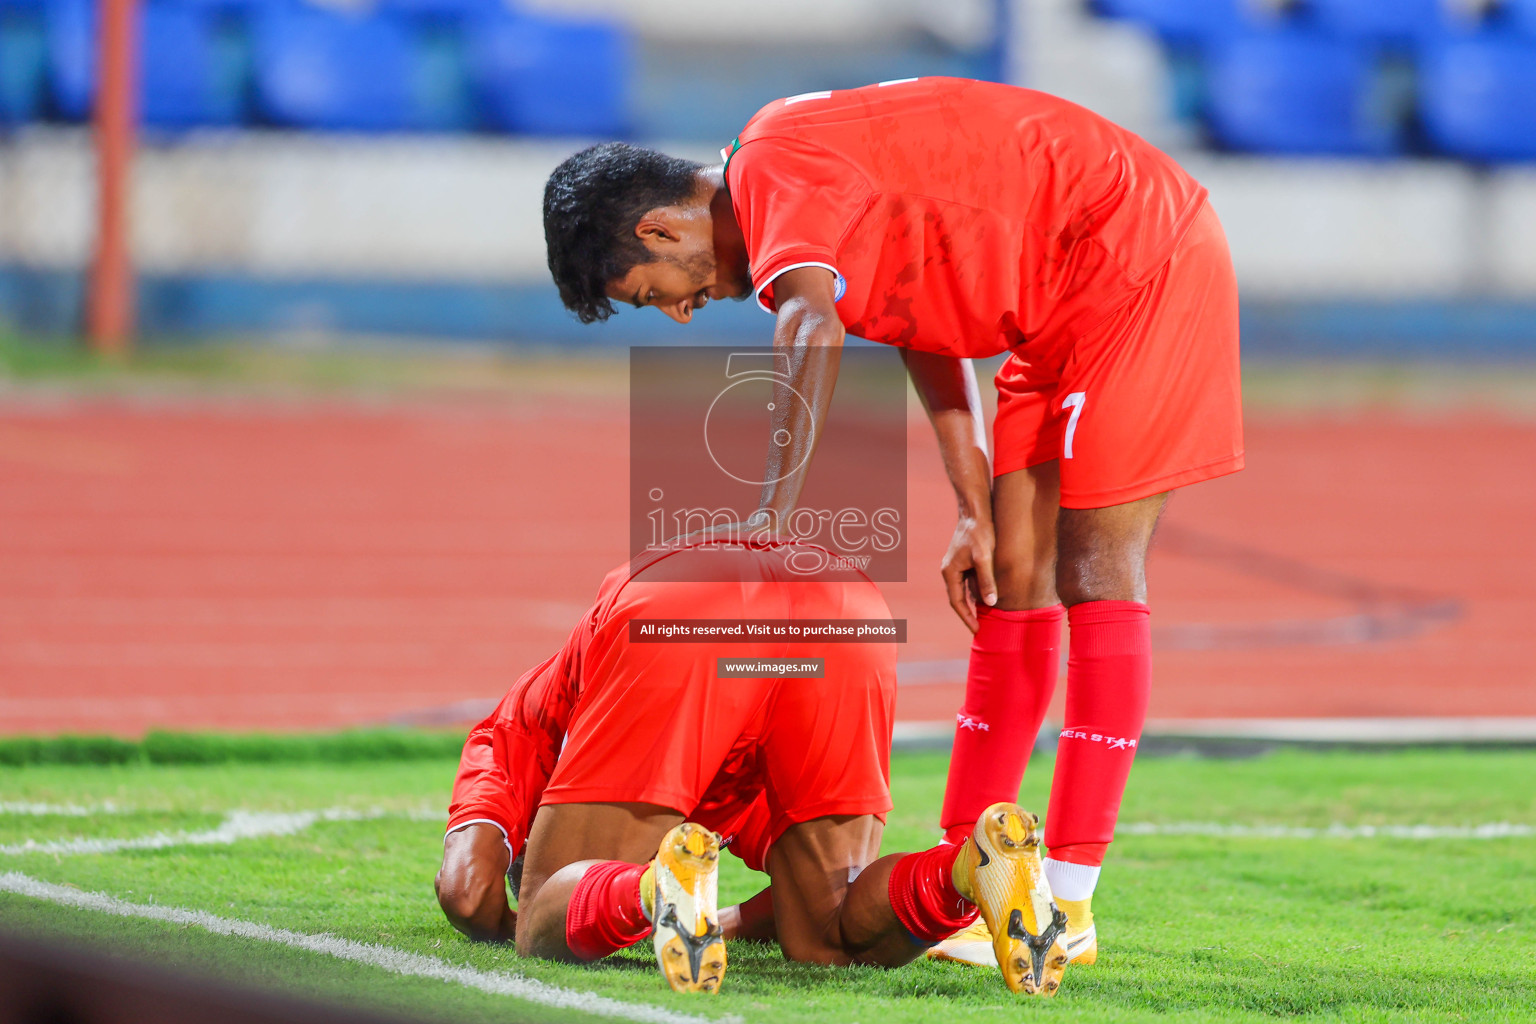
967,568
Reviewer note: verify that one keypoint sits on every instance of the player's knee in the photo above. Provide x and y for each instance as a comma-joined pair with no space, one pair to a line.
1089,578
1096,569
1024,582
815,946
816,953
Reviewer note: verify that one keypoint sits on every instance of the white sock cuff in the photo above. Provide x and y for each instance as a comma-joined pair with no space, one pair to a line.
1071,881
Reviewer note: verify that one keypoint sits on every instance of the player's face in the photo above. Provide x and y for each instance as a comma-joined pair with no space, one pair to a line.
684,274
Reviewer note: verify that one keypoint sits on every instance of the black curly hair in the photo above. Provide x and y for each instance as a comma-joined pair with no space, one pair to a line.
592,203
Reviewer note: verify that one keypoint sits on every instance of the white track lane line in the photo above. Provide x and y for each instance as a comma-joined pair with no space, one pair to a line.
237,825
1492,830
396,961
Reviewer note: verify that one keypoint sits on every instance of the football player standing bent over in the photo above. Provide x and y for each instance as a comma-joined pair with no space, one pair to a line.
958,219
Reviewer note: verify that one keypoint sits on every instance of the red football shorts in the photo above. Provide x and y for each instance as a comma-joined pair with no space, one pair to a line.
1148,400
734,803
654,724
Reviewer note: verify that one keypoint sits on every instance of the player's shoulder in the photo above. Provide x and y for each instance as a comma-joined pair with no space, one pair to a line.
842,126
832,106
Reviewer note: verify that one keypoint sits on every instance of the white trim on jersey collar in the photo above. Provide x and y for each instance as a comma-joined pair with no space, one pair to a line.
837,295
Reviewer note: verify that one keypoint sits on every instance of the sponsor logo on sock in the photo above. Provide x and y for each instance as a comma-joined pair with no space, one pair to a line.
967,722
1115,742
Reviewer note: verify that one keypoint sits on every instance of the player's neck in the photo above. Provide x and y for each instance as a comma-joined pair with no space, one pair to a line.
730,246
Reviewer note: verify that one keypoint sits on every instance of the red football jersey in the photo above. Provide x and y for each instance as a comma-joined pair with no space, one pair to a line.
509,757
961,217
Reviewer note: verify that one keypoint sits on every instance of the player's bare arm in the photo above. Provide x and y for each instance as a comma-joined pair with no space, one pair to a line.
810,336
471,885
947,388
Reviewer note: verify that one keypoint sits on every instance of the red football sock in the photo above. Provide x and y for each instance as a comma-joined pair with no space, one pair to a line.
924,897
605,913
1014,661
1109,677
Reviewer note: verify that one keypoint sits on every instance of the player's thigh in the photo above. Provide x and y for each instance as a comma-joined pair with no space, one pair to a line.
565,834
654,724
811,866
1024,507
826,748
1150,400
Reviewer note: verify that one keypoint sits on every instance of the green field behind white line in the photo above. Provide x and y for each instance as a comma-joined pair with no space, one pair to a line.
1354,928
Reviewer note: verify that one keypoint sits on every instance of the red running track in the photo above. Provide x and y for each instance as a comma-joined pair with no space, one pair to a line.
269,566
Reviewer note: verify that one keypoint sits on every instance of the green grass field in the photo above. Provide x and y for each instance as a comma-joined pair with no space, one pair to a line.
1348,927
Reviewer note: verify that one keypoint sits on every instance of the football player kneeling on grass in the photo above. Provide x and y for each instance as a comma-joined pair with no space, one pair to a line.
614,773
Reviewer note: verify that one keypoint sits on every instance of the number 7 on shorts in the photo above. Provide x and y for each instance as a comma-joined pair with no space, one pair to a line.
1075,402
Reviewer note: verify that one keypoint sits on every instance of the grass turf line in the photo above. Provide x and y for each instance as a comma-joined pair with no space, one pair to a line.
387,958
1207,928
234,748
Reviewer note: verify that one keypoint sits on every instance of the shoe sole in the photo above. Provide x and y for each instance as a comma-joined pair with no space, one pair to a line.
1008,879
689,943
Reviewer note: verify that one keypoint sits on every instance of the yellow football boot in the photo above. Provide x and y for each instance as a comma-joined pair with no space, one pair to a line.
973,944
690,948
970,945
1082,935
1000,866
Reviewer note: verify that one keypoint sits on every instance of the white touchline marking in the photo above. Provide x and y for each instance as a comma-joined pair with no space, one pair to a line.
396,961
62,810
1492,830
243,824
237,825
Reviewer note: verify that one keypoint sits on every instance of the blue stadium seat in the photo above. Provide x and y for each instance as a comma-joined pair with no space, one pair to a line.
1183,21
320,68
70,30
1392,22
1478,98
176,74
177,68
23,61
1521,15
550,76
230,7
1291,92
445,10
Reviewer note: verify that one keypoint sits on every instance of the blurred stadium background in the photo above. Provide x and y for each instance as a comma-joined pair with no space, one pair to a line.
400,547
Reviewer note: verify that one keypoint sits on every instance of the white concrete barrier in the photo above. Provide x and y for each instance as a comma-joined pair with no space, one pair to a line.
469,209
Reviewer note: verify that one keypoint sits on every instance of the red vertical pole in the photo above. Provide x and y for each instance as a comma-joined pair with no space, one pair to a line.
110,310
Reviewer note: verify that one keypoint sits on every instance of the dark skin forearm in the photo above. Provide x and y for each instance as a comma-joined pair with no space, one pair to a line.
472,885
947,389
810,335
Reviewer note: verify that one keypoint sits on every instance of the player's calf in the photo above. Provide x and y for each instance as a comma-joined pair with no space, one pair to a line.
589,909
